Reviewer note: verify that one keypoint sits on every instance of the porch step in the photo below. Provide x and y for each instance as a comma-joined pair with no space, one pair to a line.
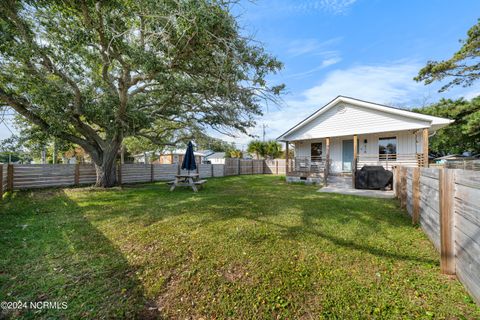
340,174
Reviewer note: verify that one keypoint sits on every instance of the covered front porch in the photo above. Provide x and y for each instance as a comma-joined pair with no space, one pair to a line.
317,159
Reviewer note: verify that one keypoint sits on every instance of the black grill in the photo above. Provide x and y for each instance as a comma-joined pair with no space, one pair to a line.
373,177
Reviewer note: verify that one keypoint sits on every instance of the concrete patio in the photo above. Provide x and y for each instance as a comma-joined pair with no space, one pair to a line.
343,185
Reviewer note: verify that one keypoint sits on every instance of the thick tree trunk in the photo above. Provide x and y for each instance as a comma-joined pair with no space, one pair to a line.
106,175
106,167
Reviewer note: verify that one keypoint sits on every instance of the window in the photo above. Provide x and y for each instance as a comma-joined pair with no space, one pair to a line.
387,148
316,151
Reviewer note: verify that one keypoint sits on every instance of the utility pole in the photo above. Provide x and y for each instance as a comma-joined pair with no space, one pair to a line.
263,128
54,157
44,155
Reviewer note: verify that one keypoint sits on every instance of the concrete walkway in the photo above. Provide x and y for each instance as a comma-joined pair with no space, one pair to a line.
359,192
343,185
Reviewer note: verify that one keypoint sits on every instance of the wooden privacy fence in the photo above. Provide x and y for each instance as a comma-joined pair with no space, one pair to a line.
275,166
463,164
26,176
240,166
446,204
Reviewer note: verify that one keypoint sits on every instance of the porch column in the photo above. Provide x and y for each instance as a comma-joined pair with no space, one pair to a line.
355,147
425,147
327,160
286,157
355,155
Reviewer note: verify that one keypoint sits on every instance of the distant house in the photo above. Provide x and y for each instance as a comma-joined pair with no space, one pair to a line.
455,157
166,157
348,133
215,158
176,156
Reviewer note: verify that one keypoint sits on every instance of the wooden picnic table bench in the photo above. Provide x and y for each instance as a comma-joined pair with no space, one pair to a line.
187,180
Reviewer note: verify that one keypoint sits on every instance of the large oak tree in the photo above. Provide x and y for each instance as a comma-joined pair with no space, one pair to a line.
95,72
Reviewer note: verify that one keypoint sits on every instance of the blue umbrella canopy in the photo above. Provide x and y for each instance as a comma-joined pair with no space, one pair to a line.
189,159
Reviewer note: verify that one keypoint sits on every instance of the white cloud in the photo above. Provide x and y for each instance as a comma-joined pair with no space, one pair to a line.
331,6
300,47
317,50
471,94
380,83
391,84
325,63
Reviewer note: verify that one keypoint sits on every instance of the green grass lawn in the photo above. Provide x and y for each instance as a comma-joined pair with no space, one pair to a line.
244,247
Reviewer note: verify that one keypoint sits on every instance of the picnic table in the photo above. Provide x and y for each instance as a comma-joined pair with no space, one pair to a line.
187,180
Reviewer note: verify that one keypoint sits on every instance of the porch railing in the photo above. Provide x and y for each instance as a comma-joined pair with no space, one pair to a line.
390,160
306,165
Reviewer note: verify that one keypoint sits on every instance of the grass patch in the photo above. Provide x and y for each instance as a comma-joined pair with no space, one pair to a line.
244,247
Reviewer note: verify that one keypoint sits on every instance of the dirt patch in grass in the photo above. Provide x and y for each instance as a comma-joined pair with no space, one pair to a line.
236,272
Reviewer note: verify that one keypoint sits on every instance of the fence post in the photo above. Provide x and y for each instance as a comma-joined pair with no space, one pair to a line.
1,181
76,177
447,241
403,187
416,195
10,177
395,181
119,174
211,168
239,167
276,167
151,173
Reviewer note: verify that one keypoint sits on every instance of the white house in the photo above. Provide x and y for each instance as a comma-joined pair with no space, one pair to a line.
348,133
166,157
216,158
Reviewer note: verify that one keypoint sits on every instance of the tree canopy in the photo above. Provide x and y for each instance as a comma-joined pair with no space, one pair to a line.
265,149
463,134
94,72
463,68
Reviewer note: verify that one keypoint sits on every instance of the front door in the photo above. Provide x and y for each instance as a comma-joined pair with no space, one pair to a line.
347,155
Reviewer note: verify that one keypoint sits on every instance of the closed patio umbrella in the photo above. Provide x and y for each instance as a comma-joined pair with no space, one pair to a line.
188,162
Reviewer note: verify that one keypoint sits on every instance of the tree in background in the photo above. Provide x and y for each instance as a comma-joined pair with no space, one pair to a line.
94,72
35,143
12,151
273,149
463,67
256,147
463,134
234,153
205,142
265,149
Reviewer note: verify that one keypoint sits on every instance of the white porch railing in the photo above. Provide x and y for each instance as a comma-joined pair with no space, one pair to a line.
306,165
390,160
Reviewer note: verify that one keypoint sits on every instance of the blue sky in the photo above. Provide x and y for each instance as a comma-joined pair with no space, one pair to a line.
367,49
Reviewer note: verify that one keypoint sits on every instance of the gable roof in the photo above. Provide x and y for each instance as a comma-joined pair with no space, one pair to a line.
216,155
435,122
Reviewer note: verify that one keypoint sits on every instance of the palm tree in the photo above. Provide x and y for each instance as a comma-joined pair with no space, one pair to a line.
273,149
257,147
235,153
